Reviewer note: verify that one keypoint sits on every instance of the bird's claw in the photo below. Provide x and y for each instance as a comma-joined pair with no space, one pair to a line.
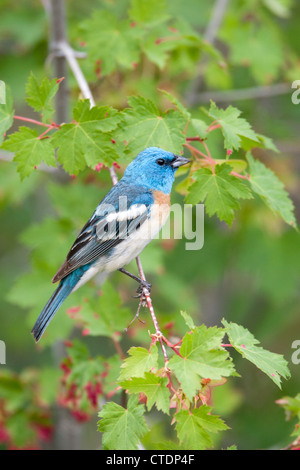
140,290
143,285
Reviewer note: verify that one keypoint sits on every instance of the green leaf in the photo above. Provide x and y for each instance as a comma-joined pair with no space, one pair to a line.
197,128
144,126
237,165
78,351
281,8
188,320
233,127
219,190
29,150
263,142
147,12
139,362
40,95
178,105
266,184
156,49
272,364
98,118
111,43
6,114
259,47
84,369
194,428
122,428
202,357
154,387
86,141
109,382
291,405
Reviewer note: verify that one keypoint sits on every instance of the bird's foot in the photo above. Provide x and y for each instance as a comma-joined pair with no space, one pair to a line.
143,285
140,291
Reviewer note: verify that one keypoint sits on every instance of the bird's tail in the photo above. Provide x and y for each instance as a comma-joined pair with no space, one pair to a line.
51,307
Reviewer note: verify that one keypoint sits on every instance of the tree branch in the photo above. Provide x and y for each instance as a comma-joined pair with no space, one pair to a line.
62,47
146,293
250,93
217,16
57,19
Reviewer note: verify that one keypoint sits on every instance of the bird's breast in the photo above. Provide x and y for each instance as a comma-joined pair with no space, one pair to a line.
132,246
160,210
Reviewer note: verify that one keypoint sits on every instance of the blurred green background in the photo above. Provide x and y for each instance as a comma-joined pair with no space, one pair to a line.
248,273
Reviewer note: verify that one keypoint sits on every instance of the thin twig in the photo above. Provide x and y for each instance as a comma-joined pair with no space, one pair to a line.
117,347
33,121
238,175
137,313
215,22
55,9
194,150
151,309
170,345
64,48
113,175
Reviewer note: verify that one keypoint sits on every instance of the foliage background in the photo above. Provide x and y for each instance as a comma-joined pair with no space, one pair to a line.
248,273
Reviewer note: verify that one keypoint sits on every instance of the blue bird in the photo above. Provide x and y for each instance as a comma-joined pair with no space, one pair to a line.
125,221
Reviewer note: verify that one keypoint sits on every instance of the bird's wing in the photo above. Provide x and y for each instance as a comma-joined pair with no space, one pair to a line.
109,225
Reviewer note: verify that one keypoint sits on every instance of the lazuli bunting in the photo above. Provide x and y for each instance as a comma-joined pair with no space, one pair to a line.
125,221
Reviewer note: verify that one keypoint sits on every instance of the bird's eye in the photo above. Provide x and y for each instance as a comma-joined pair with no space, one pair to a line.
160,161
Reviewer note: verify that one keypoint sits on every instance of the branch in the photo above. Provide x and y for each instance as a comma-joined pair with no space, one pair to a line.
55,9
33,121
217,16
242,94
146,293
62,47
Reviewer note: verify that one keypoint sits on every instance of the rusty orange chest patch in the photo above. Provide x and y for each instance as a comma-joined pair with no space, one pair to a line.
161,208
161,198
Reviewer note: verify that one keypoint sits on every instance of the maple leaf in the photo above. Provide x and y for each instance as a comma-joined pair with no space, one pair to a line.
266,184
194,427
272,364
29,150
139,362
40,95
87,140
111,42
6,114
122,428
202,357
233,126
143,11
219,190
144,126
154,387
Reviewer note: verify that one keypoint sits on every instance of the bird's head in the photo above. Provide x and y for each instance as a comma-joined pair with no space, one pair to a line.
155,169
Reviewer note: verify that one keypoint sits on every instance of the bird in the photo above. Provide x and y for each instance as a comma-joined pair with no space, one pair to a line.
125,221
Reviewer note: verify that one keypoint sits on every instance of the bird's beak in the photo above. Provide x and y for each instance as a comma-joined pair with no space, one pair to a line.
179,161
